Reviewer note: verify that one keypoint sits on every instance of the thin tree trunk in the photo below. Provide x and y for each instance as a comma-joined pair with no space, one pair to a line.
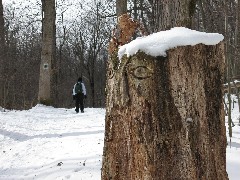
226,107
228,71
237,94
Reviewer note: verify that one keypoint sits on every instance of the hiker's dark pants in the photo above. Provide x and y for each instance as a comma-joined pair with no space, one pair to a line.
79,101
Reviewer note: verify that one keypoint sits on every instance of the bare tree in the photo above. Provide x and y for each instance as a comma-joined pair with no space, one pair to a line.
2,52
237,35
121,7
236,74
48,51
22,44
76,51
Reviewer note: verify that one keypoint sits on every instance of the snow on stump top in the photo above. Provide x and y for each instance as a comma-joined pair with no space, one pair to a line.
157,44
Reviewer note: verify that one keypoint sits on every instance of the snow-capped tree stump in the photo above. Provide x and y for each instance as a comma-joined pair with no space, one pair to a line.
165,116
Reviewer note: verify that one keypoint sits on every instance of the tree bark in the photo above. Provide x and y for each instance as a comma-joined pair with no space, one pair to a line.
176,13
2,54
48,51
121,7
228,69
165,116
237,41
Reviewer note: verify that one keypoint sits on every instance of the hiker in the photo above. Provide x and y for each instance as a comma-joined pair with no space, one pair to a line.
79,93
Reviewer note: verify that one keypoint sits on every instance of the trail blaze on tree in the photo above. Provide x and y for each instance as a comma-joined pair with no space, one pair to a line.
48,51
164,116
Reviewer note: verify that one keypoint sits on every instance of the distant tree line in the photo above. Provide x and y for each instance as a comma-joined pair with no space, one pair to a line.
81,50
82,43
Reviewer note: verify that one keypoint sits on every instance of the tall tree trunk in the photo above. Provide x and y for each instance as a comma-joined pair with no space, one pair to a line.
176,13
228,61
121,7
48,51
2,54
237,42
237,51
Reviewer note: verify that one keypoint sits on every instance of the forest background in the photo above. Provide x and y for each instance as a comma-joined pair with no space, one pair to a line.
83,30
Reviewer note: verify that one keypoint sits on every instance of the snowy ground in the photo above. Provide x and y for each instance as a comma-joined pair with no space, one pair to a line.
45,143
233,151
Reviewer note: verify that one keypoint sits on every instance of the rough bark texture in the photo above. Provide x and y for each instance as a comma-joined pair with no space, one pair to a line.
2,55
170,13
121,7
237,42
165,117
48,50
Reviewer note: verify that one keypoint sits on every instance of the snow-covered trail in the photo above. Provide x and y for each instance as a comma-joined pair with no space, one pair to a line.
46,143
233,151
49,143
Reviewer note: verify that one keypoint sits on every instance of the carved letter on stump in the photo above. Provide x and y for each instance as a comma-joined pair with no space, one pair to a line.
164,116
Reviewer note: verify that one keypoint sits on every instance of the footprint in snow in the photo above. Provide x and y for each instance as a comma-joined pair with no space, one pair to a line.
60,163
77,170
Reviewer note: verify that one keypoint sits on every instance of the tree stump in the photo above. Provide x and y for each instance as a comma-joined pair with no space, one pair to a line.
165,116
